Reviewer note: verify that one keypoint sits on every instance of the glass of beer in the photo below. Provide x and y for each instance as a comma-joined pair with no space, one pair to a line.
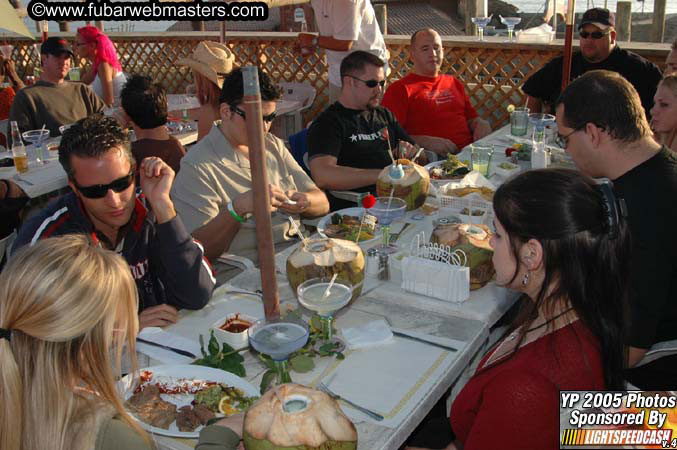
20,160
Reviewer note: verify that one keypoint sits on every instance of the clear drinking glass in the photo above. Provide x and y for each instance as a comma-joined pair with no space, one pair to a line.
510,22
481,22
519,121
481,158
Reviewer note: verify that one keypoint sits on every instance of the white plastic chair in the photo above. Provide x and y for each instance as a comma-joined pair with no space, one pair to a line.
302,92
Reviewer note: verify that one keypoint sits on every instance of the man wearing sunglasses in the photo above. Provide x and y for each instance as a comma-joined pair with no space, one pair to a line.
167,264
213,191
603,129
354,138
434,107
598,50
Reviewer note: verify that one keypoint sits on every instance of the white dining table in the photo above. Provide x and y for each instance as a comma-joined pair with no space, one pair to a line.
43,179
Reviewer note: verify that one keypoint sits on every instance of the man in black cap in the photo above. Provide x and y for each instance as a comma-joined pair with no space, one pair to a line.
598,50
52,101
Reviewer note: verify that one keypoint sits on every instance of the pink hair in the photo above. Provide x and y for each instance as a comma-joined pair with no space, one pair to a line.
105,50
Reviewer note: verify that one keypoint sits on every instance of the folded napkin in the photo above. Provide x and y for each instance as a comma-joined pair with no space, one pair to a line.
370,334
160,336
43,174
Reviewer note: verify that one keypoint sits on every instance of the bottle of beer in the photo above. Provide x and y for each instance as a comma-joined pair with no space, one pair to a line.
18,149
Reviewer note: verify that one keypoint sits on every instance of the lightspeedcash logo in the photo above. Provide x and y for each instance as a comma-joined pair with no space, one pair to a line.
147,10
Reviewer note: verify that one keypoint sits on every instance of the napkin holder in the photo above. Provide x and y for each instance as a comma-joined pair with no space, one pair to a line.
436,271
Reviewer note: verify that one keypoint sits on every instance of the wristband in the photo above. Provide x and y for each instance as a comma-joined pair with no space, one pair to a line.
233,213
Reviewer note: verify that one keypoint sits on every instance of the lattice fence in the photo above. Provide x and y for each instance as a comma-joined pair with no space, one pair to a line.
492,71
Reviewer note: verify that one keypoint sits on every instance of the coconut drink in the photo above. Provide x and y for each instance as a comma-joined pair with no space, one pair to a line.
322,258
296,417
410,181
473,240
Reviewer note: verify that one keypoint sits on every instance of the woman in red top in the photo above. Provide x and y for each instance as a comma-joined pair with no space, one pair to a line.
562,241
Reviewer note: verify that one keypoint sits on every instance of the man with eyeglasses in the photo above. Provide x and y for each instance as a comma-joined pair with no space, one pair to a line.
598,50
167,264
213,191
434,107
354,138
604,129
52,101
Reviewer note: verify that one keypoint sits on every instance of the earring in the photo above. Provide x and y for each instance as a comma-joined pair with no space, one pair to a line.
525,279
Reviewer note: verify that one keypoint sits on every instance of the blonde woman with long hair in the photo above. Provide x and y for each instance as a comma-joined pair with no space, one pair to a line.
67,310
664,112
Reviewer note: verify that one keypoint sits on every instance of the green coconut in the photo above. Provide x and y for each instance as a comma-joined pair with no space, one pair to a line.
473,240
296,417
322,258
413,187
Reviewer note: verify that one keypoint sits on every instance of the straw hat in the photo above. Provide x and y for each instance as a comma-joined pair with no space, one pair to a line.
210,59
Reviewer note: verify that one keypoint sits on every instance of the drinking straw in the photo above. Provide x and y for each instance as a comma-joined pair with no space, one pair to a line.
418,153
331,283
390,197
297,230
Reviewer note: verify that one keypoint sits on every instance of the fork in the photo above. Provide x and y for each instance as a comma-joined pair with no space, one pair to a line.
395,237
323,387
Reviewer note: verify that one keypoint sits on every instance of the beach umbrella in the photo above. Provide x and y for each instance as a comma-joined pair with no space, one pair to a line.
10,21
568,43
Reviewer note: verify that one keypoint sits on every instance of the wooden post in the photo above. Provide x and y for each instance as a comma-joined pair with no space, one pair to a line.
472,9
64,26
381,11
99,24
197,25
623,21
658,20
251,104
568,43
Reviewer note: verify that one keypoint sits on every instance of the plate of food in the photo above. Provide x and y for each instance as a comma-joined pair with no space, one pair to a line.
345,224
178,400
451,168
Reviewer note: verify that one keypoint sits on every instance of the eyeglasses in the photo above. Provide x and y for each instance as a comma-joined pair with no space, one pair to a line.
370,83
100,190
594,34
563,141
267,118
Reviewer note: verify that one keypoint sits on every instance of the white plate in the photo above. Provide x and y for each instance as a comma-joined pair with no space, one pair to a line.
438,181
355,211
127,386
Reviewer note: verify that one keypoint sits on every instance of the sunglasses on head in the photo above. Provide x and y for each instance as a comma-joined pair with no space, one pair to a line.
100,190
267,118
594,34
370,83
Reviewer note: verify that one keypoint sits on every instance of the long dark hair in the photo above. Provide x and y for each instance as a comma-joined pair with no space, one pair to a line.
585,253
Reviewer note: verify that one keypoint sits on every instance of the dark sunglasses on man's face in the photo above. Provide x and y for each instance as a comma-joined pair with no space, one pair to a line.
100,190
267,118
370,83
594,34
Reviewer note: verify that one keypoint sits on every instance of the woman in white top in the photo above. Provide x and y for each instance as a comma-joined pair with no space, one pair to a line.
105,76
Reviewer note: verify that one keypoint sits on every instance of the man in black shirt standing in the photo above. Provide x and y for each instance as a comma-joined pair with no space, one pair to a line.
350,142
602,126
598,50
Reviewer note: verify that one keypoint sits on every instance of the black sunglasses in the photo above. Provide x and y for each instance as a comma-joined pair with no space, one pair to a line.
594,34
267,118
370,83
100,190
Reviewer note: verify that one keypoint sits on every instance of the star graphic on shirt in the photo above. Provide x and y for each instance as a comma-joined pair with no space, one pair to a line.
353,138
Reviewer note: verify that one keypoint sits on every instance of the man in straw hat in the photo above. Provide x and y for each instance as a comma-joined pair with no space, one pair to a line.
210,63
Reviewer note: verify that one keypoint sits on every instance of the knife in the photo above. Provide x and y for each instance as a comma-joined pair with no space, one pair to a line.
166,347
417,339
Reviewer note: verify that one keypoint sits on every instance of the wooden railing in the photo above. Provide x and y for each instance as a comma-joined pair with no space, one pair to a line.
492,71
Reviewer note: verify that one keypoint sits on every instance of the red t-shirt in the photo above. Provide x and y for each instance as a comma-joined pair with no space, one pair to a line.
515,404
432,106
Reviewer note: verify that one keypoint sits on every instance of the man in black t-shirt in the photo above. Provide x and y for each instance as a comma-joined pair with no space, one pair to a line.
598,50
602,127
351,141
